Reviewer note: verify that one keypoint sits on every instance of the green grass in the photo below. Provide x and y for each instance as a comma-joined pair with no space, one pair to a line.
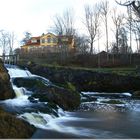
131,71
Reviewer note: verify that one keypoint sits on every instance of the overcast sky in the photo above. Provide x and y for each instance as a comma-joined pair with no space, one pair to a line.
36,16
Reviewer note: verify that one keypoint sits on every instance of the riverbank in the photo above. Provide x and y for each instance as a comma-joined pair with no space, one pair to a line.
87,80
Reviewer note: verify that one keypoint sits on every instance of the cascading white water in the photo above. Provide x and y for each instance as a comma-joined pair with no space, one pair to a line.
37,119
17,72
19,91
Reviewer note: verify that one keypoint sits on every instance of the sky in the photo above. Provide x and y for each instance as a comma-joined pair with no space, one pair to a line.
36,16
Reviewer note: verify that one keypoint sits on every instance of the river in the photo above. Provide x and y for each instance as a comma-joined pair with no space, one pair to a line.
93,119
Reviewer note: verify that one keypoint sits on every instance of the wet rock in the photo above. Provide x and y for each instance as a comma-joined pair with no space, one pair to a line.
33,100
6,90
46,92
113,102
87,98
66,99
136,94
12,127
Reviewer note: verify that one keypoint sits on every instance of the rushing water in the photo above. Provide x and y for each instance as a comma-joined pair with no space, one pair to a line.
94,119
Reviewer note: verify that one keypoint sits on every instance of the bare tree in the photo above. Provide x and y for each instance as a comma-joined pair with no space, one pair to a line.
134,4
105,13
133,8
11,41
136,31
129,20
82,44
123,44
4,41
99,57
58,25
118,22
64,25
92,18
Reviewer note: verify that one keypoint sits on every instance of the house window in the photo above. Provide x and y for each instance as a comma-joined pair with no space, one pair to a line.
43,40
54,40
33,41
48,40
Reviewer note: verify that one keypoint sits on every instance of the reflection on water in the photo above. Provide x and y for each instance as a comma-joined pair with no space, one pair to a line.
97,120
91,124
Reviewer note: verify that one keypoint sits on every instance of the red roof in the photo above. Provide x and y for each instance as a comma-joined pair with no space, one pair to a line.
34,43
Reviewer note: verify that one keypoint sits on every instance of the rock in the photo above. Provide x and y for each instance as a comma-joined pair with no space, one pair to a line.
6,90
13,128
47,92
66,99
87,98
113,102
136,94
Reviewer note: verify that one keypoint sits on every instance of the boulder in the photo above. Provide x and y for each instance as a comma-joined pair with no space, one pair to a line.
66,99
12,127
47,92
136,94
6,90
87,98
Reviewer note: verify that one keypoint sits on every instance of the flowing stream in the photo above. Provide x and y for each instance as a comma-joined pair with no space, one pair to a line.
115,115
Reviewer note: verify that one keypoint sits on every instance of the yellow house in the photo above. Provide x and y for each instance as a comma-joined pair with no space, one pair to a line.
32,43
66,40
48,40
49,43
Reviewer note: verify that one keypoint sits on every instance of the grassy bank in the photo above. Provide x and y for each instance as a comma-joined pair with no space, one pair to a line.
130,71
125,79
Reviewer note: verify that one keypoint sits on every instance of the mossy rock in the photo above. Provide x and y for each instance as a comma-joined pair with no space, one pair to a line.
71,86
6,91
87,98
66,99
12,127
136,94
29,83
113,102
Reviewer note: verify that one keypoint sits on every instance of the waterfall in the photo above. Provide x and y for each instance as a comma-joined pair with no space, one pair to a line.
17,72
14,72
34,116
19,91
